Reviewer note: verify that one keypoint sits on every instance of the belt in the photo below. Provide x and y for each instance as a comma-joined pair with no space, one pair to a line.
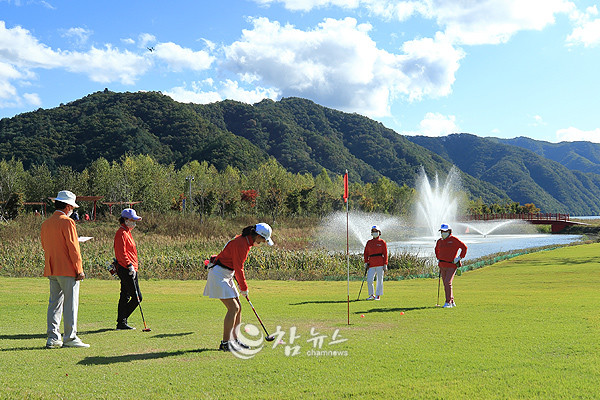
375,255
223,266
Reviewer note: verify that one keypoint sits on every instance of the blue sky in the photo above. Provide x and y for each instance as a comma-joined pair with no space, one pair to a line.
502,68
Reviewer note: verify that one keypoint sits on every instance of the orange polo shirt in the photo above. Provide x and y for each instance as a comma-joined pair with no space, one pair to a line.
234,256
376,253
125,250
447,249
61,246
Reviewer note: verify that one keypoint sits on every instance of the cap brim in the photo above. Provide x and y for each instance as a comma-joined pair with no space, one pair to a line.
270,241
137,218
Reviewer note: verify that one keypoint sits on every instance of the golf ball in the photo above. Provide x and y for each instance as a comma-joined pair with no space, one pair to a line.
401,312
362,315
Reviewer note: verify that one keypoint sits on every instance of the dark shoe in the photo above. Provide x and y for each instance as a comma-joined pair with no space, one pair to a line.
224,346
124,326
237,345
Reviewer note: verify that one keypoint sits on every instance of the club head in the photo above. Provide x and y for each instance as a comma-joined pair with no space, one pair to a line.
437,305
146,330
270,338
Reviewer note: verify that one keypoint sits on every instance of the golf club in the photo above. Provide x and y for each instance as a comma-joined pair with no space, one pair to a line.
146,329
361,285
269,338
439,276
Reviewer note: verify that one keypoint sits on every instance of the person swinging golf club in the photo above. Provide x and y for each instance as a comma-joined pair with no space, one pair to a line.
227,264
446,251
127,270
376,259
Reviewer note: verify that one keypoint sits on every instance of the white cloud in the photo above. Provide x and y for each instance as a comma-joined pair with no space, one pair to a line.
79,35
337,64
146,39
436,124
32,99
128,41
21,54
538,121
465,22
572,134
587,28
206,91
179,58
106,65
307,5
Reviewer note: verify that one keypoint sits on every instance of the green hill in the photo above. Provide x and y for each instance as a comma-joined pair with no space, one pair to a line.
525,176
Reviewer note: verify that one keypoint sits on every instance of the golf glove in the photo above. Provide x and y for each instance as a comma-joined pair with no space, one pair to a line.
244,293
132,271
457,260
385,267
366,265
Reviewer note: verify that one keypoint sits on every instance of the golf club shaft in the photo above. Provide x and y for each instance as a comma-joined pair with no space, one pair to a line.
137,295
255,313
361,285
439,277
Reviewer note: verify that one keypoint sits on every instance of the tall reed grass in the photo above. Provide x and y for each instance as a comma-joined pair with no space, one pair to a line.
174,246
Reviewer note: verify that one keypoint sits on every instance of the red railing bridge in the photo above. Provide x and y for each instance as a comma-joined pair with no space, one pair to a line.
557,221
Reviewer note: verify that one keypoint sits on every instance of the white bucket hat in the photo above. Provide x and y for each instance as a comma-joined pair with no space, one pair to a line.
67,197
265,231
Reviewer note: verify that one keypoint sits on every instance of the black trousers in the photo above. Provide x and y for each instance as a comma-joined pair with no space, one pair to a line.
128,301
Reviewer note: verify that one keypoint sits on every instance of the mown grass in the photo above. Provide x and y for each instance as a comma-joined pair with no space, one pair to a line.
527,327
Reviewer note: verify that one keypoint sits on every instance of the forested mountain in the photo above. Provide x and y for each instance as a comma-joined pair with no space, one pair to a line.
301,135
525,176
580,156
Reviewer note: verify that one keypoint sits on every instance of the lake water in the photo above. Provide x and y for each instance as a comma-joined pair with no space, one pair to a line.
479,246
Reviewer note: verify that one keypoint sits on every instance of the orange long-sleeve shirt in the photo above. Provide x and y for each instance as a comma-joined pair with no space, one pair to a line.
61,246
447,249
376,253
234,256
125,250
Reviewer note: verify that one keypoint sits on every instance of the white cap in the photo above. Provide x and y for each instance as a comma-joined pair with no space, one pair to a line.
265,231
375,228
67,197
445,227
130,213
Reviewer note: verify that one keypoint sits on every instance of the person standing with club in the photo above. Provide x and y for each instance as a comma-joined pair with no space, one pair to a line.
64,269
127,260
446,251
227,264
376,259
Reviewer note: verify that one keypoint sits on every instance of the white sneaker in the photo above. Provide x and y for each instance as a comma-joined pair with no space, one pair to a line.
453,304
371,297
54,344
447,305
75,343
377,298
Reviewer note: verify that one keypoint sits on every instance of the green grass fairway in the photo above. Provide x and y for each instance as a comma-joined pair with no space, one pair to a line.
524,328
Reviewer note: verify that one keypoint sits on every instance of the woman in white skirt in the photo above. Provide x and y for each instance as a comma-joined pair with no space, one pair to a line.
229,263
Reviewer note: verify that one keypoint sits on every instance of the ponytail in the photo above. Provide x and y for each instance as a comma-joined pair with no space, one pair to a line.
249,230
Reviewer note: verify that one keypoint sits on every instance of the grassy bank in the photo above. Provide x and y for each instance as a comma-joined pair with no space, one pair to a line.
174,247
524,328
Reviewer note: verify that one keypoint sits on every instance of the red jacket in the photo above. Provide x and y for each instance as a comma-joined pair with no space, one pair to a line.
234,256
447,249
61,246
376,253
125,250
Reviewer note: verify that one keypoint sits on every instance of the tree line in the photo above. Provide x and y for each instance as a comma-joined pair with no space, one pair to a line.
199,187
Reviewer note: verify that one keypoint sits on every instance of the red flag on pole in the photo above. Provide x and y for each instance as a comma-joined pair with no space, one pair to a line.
346,187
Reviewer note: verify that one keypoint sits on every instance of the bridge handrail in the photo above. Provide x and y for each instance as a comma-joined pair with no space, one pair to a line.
526,217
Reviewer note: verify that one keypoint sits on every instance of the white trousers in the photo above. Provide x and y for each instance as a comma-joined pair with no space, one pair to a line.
64,300
370,275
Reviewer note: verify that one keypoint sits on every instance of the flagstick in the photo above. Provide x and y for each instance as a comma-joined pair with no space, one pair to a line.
348,248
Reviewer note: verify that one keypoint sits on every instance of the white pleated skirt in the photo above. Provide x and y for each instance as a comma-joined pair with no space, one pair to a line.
219,284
